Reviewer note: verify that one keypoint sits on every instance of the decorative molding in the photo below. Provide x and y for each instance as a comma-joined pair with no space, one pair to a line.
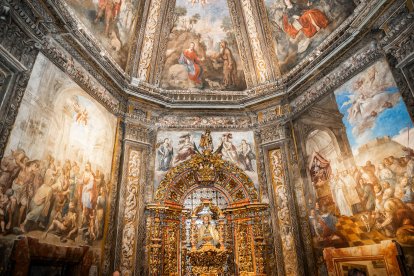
18,52
137,133
261,168
79,75
239,29
135,42
272,133
204,121
130,217
399,41
261,67
148,46
268,37
168,19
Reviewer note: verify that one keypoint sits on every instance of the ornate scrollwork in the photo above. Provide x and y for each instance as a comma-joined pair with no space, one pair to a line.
244,251
137,133
283,213
260,62
147,48
130,214
272,133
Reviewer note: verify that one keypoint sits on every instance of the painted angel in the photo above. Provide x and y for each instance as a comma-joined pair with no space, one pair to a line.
81,114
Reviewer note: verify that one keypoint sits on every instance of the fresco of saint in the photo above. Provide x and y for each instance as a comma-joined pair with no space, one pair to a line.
309,21
192,63
165,154
300,26
212,60
372,190
110,22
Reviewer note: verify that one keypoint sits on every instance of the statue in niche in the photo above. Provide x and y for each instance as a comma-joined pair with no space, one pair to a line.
208,253
207,233
207,227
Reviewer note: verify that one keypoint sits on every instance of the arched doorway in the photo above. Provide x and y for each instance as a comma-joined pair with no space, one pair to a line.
206,220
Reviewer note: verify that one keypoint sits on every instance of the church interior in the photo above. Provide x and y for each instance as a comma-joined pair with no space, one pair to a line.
207,137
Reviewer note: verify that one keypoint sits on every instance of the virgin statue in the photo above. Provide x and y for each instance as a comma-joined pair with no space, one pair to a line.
207,233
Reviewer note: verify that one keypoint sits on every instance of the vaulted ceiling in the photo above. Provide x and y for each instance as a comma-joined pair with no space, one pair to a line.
216,51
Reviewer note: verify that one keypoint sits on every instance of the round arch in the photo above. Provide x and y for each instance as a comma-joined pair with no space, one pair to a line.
206,170
321,139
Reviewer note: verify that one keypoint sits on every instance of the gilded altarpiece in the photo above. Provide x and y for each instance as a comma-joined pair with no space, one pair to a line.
206,219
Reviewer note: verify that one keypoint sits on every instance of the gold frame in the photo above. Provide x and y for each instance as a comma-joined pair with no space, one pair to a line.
386,251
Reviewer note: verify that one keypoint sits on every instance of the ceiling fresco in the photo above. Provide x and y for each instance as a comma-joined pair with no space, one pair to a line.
299,26
111,22
202,50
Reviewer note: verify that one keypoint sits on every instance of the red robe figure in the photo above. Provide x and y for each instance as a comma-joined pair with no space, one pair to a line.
190,59
109,8
309,22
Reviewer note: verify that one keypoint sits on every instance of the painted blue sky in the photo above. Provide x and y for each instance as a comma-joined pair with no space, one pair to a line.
391,121
211,18
214,9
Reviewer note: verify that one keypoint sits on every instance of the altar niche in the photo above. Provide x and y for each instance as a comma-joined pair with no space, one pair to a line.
206,220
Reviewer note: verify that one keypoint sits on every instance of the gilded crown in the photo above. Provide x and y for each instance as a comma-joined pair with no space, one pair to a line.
206,173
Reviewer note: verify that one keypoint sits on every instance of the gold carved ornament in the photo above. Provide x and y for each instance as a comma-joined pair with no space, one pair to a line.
204,169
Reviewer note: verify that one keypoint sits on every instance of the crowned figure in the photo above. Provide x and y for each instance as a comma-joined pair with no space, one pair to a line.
208,235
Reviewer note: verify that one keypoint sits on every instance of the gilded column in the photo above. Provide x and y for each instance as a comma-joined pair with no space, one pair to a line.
261,68
283,212
130,218
148,44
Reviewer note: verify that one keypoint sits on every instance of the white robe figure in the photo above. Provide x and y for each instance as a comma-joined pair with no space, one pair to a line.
337,188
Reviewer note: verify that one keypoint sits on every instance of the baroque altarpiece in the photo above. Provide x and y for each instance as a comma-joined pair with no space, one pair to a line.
216,137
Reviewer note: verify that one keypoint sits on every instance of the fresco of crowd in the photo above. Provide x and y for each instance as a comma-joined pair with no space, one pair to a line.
381,196
52,196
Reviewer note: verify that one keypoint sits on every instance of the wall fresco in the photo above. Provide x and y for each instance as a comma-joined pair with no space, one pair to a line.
299,26
175,147
54,177
111,22
368,197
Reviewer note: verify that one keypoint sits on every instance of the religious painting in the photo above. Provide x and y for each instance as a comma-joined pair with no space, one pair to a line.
176,147
55,174
368,194
299,26
111,22
202,51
